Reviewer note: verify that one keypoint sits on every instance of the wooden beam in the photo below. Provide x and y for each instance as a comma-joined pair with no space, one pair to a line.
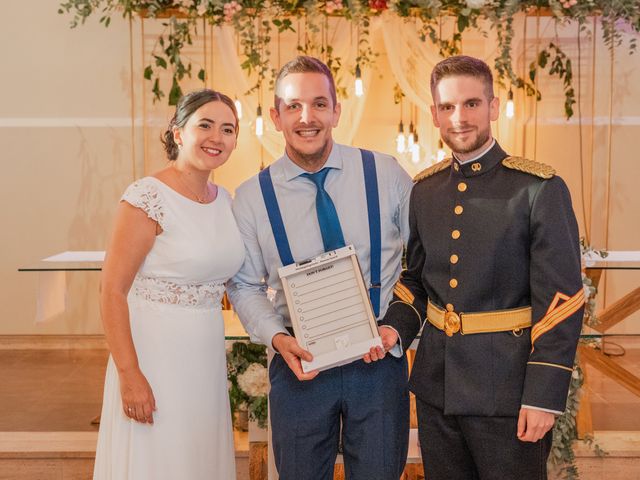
609,368
618,311
595,274
258,461
584,418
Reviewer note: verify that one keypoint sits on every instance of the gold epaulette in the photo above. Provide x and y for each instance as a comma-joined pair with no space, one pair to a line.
433,169
529,166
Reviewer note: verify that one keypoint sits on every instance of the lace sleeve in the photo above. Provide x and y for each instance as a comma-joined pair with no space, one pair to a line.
144,195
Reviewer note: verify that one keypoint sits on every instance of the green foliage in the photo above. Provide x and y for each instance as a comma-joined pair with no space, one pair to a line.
591,290
565,431
560,66
255,20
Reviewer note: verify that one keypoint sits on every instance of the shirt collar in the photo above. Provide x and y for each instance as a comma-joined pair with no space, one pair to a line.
477,156
292,170
480,165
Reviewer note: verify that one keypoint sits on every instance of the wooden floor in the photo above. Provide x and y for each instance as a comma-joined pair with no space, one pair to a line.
48,397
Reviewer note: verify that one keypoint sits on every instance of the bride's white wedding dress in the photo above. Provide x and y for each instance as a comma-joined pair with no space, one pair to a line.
178,333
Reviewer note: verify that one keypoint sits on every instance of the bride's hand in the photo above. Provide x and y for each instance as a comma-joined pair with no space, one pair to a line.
138,401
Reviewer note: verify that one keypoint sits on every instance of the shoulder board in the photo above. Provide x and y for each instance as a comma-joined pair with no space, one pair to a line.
433,169
529,166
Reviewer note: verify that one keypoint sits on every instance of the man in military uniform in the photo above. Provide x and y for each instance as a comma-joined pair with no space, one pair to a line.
493,263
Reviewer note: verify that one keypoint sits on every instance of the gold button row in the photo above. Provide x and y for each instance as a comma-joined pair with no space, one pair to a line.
453,283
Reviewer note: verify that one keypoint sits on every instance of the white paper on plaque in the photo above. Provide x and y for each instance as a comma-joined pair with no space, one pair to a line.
330,309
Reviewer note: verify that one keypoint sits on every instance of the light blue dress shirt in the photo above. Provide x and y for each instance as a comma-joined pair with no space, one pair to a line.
296,197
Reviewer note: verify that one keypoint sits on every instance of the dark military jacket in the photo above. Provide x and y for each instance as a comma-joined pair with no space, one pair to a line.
497,233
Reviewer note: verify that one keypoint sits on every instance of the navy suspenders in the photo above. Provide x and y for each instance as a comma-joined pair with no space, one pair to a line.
373,210
275,218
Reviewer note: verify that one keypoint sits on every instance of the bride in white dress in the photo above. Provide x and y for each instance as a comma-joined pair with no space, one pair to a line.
165,411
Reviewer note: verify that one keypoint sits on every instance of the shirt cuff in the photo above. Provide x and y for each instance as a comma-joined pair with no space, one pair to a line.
555,412
270,332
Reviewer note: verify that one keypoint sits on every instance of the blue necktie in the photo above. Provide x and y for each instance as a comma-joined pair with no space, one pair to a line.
330,229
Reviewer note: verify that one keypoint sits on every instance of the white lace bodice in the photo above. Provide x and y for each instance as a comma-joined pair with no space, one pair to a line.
206,295
198,250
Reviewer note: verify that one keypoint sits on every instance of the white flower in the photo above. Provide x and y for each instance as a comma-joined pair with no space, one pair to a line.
253,381
202,8
476,3
575,374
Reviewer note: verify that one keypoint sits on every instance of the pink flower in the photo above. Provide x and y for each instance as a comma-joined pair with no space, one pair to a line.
333,6
230,9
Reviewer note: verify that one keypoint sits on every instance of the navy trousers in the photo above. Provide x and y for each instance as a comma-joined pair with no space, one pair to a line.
371,401
465,447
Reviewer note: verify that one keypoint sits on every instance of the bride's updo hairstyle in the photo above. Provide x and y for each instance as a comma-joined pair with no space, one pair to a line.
186,107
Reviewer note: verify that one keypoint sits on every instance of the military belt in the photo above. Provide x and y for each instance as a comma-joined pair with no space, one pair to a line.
450,322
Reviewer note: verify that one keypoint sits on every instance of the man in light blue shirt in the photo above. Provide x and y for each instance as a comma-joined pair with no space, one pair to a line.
370,400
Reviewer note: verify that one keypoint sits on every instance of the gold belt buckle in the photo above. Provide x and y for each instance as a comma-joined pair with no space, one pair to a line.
451,323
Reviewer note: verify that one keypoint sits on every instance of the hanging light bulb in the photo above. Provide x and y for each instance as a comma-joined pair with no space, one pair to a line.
441,153
510,110
359,87
259,122
411,137
401,139
238,105
415,150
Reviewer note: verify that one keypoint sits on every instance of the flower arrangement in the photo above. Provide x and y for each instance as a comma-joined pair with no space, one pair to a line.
256,20
248,379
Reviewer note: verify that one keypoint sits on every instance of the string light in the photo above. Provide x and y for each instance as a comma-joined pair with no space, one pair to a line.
238,105
415,150
510,108
259,122
411,137
358,86
401,139
441,152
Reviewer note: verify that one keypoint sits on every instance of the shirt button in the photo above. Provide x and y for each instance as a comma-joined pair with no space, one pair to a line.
453,283
455,234
449,307
458,210
453,258
462,187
